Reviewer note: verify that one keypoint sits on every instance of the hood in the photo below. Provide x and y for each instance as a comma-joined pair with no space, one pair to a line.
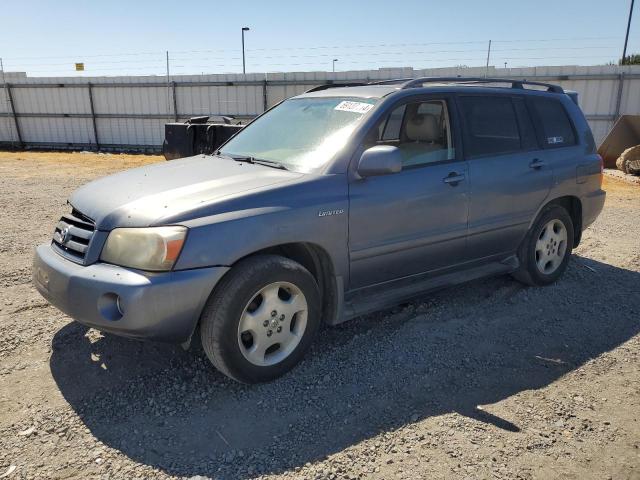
144,196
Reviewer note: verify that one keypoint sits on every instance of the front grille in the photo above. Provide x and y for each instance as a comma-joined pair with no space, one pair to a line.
73,234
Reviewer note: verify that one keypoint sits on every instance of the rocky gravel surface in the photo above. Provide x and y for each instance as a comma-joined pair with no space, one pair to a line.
486,380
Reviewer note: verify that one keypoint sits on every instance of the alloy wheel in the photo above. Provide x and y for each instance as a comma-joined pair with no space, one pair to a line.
272,323
551,246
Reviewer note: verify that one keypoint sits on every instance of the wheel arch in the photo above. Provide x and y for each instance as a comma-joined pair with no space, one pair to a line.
573,206
318,261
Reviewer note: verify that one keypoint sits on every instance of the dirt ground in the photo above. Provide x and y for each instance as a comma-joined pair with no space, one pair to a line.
486,380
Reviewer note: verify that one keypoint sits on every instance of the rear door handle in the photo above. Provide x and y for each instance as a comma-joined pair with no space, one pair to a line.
453,178
536,164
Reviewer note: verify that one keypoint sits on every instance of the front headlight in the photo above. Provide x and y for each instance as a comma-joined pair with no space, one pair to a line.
153,248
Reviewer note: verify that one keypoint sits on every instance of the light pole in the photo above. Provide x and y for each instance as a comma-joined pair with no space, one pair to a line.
333,64
244,29
626,38
486,71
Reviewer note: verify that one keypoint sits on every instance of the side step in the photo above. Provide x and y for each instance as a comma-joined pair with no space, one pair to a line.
389,294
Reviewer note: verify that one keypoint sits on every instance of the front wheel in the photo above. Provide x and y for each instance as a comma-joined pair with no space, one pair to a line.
545,251
261,319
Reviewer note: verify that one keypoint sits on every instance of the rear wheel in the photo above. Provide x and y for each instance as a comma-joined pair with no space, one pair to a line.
545,251
261,319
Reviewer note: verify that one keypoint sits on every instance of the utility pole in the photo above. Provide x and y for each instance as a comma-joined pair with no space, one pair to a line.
244,29
626,38
486,70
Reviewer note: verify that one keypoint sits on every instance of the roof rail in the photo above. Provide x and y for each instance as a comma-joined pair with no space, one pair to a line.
416,82
330,84
391,82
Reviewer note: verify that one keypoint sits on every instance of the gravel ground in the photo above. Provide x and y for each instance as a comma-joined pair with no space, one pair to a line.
486,380
627,177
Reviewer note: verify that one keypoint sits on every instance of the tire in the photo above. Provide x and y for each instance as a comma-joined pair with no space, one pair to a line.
546,249
261,319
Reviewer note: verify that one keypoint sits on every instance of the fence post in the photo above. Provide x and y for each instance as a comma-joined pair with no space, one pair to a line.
175,101
619,99
13,113
93,116
265,103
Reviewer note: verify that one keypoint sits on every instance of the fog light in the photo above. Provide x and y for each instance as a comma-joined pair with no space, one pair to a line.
109,307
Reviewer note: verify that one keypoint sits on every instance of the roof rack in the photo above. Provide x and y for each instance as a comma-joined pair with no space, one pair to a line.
331,84
417,82
391,82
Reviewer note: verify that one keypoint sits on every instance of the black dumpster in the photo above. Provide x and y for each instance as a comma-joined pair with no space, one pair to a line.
195,136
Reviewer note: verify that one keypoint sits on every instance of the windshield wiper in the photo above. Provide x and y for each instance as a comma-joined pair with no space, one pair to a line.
261,161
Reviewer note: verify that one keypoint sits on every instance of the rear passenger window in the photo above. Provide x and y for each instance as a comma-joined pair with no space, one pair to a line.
527,132
492,126
556,126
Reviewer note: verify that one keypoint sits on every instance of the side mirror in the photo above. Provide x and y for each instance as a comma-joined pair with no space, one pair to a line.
380,160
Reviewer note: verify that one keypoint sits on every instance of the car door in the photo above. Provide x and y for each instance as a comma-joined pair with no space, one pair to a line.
416,220
509,177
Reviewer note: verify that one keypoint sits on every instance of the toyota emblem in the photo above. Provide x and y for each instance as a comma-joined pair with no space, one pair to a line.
64,235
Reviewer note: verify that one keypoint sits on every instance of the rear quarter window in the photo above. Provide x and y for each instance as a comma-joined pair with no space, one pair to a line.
557,130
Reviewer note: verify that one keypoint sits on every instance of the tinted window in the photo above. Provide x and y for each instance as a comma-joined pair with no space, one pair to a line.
556,126
528,139
491,124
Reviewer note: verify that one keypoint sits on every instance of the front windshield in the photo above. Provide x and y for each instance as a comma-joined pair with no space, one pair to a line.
302,133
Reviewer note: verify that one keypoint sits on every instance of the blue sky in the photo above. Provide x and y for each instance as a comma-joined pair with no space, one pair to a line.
130,37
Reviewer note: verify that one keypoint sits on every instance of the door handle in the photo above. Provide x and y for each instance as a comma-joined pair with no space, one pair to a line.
536,164
453,178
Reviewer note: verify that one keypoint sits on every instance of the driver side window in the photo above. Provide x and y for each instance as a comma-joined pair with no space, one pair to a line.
421,130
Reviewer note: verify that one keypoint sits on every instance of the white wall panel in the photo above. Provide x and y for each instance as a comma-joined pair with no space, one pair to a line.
631,97
598,97
4,101
51,100
131,100
7,130
56,130
600,129
130,131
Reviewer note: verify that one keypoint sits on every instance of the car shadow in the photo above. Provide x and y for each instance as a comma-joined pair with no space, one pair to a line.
453,351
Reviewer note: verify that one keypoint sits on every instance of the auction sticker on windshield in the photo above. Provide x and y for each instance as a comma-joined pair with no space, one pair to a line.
355,107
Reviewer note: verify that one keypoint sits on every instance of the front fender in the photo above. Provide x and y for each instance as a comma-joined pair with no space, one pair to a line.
315,214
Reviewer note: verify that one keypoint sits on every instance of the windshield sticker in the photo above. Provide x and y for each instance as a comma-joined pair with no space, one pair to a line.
554,140
355,107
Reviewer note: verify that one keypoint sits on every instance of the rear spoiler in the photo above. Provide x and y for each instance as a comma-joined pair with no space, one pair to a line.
572,95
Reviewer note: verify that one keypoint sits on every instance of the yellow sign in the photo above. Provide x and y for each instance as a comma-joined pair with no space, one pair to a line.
79,67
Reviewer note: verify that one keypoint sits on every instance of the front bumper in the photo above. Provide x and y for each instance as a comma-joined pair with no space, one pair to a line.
160,306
